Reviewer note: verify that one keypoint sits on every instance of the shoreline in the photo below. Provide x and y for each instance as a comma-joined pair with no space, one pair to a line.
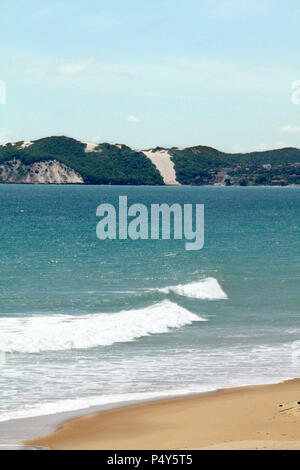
15,431
217,185
257,416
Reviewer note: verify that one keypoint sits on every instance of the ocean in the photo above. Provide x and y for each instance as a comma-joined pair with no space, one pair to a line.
87,322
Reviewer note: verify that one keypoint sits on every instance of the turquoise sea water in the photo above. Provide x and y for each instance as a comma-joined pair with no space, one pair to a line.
86,322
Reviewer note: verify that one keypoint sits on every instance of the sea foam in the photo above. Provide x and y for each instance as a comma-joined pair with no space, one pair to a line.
206,289
67,405
62,332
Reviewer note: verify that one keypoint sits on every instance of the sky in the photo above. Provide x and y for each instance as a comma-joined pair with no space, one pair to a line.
157,73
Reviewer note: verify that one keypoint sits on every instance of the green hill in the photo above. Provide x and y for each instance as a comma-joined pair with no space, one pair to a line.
107,164
201,165
119,164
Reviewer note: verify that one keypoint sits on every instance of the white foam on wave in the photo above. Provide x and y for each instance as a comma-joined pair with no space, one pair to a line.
62,332
73,404
205,289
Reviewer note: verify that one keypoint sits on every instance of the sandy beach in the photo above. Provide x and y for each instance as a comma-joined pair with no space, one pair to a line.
256,417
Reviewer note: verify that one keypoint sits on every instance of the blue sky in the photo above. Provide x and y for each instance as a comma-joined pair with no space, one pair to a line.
163,72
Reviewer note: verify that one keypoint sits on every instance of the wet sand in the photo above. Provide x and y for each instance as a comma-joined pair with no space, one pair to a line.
256,417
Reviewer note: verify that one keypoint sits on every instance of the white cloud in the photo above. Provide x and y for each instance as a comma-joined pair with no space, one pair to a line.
4,133
167,77
263,147
102,21
74,67
232,9
52,11
132,118
290,128
96,139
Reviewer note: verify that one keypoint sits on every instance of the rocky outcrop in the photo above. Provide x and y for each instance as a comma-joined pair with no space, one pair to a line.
47,172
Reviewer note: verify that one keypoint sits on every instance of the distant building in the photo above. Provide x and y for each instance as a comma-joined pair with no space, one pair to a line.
228,170
279,182
221,176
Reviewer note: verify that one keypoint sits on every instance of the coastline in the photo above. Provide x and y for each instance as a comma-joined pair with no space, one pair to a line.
16,431
258,417
217,185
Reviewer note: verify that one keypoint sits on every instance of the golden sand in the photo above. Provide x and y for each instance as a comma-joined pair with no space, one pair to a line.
259,417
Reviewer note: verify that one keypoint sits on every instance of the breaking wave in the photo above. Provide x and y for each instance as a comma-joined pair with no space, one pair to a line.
63,332
206,289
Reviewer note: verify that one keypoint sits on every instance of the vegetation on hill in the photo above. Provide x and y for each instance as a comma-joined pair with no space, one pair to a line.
205,165
119,164
107,164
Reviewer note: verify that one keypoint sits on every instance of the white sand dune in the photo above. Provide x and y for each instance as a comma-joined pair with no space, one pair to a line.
162,160
90,147
26,144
